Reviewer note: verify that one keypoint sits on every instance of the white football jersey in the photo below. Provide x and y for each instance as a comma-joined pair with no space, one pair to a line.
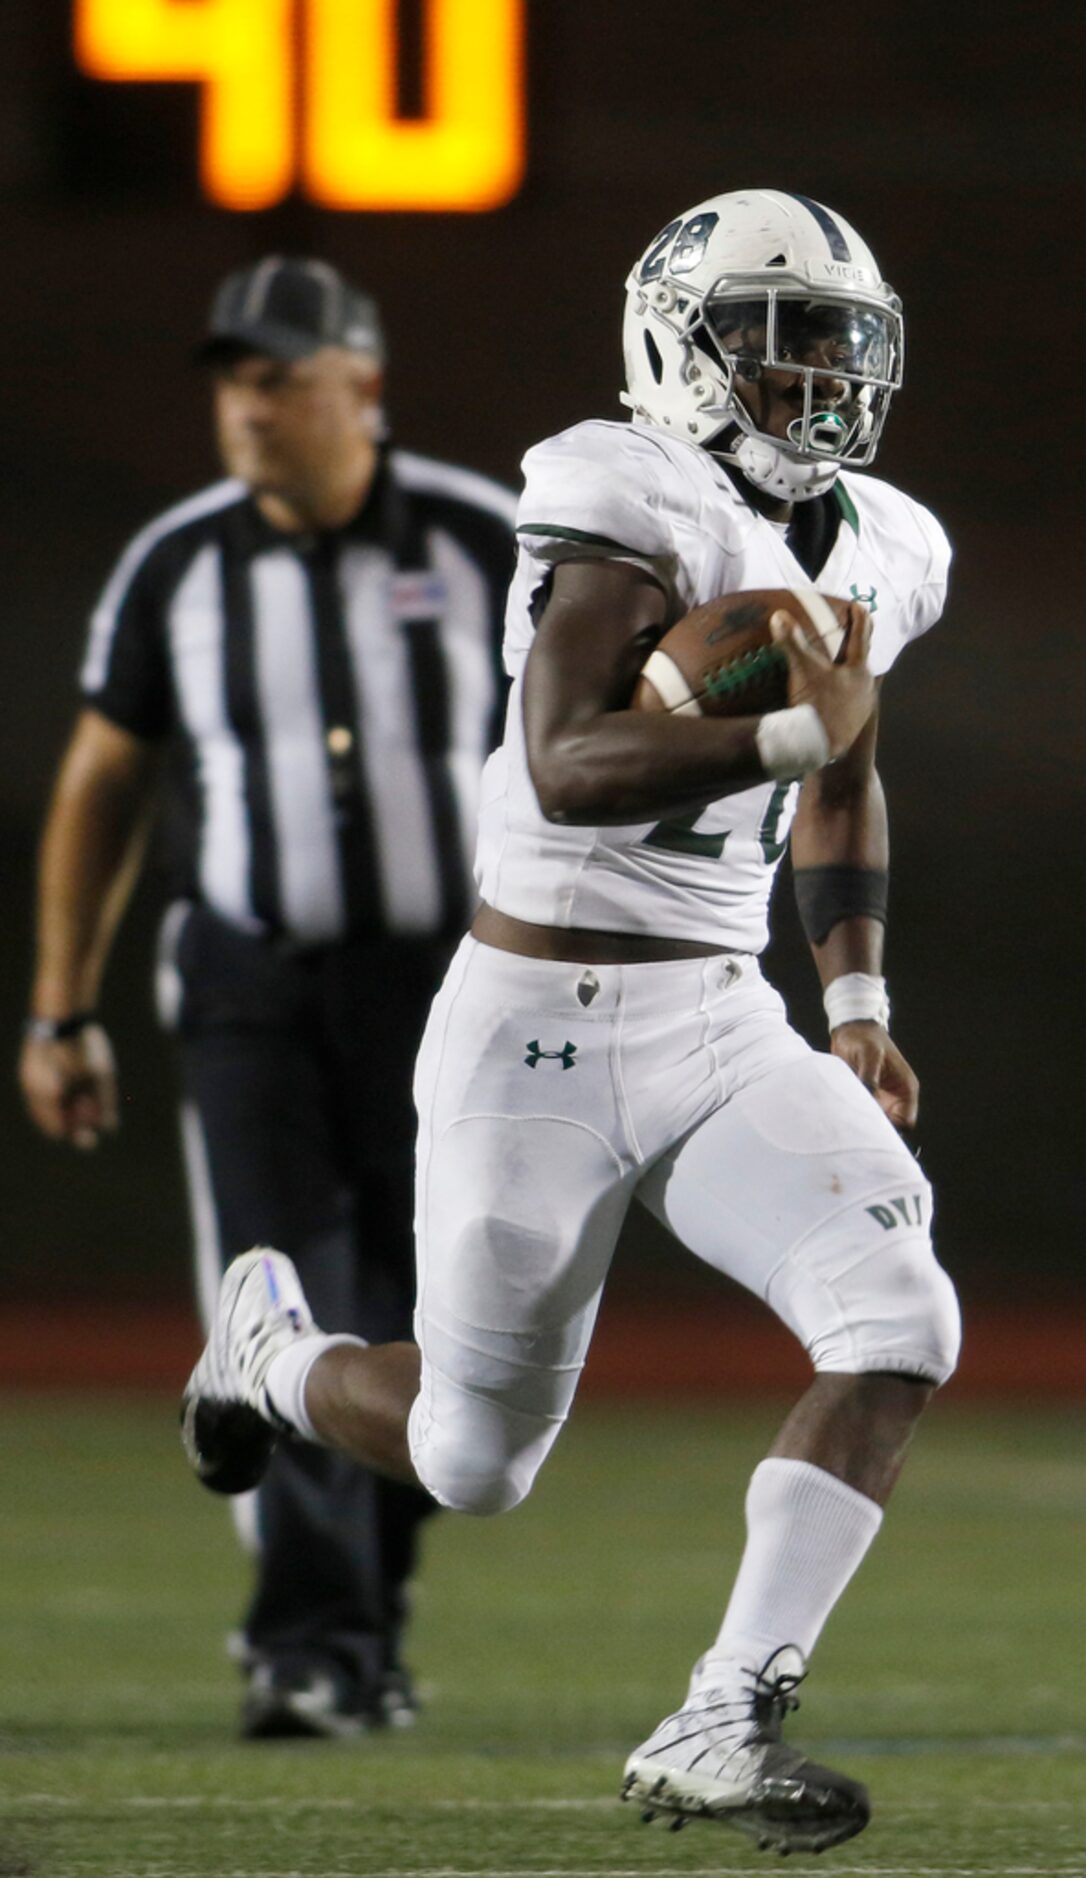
632,492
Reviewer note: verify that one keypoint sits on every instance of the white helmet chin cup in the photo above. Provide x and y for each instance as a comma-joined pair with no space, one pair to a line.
765,465
758,281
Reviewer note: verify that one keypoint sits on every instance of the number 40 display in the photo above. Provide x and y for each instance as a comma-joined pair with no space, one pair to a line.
303,92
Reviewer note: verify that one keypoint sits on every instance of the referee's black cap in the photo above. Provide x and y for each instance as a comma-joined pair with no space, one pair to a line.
288,309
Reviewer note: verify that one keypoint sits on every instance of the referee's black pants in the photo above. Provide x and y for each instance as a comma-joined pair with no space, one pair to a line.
299,1128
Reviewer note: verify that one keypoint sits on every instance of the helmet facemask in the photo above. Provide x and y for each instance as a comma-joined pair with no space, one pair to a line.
844,356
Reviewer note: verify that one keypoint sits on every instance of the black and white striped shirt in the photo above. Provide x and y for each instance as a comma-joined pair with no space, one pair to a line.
332,698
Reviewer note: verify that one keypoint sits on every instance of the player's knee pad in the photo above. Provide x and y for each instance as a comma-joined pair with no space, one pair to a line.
503,1321
475,1455
867,1293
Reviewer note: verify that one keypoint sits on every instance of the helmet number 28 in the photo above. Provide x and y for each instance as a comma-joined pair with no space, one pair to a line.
690,239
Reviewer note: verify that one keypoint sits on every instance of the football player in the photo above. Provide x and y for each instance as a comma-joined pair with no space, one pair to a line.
605,1031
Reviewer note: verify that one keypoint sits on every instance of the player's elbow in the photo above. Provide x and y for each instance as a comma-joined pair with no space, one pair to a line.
570,788
552,798
576,808
559,788
562,806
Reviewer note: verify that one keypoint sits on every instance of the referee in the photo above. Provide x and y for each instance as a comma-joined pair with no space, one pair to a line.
300,667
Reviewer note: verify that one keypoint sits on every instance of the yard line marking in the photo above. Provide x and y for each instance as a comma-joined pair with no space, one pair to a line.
949,1744
324,1803
614,1871
335,1803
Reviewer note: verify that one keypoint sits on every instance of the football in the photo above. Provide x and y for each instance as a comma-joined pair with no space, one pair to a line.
721,660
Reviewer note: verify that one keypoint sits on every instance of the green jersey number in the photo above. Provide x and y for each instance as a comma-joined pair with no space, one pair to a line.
681,837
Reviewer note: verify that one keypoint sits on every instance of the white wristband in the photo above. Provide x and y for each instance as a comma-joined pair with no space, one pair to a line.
793,742
857,998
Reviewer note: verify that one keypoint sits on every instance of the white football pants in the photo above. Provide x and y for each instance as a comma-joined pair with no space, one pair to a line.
548,1095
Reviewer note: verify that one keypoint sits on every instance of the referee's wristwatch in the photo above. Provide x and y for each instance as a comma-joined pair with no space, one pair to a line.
58,1029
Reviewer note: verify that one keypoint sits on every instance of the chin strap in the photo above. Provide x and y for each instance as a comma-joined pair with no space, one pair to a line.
779,475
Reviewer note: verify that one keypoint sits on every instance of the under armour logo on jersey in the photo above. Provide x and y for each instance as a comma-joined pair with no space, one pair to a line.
564,1056
869,599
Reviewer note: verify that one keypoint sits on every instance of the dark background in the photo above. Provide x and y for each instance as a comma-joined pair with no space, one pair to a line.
956,147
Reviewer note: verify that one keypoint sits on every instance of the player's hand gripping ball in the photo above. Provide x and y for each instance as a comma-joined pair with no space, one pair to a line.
721,660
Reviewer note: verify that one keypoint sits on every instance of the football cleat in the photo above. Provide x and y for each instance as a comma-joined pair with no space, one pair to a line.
314,1702
721,1757
320,1700
397,1700
229,1426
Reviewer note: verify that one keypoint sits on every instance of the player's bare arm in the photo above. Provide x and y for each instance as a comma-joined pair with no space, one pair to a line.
841,823
594,761
90,856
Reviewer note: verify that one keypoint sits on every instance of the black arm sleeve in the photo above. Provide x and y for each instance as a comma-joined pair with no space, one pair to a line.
827,895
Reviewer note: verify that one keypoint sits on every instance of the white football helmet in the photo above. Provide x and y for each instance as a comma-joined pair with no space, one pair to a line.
761,280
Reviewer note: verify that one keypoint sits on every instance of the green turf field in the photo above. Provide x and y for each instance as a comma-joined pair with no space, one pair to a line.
548,1643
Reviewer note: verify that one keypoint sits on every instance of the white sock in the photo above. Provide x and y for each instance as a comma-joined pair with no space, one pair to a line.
807,1533
288,1373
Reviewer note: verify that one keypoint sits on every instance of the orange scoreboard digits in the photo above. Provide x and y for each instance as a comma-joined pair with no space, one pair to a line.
352,151
239,51
464,154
